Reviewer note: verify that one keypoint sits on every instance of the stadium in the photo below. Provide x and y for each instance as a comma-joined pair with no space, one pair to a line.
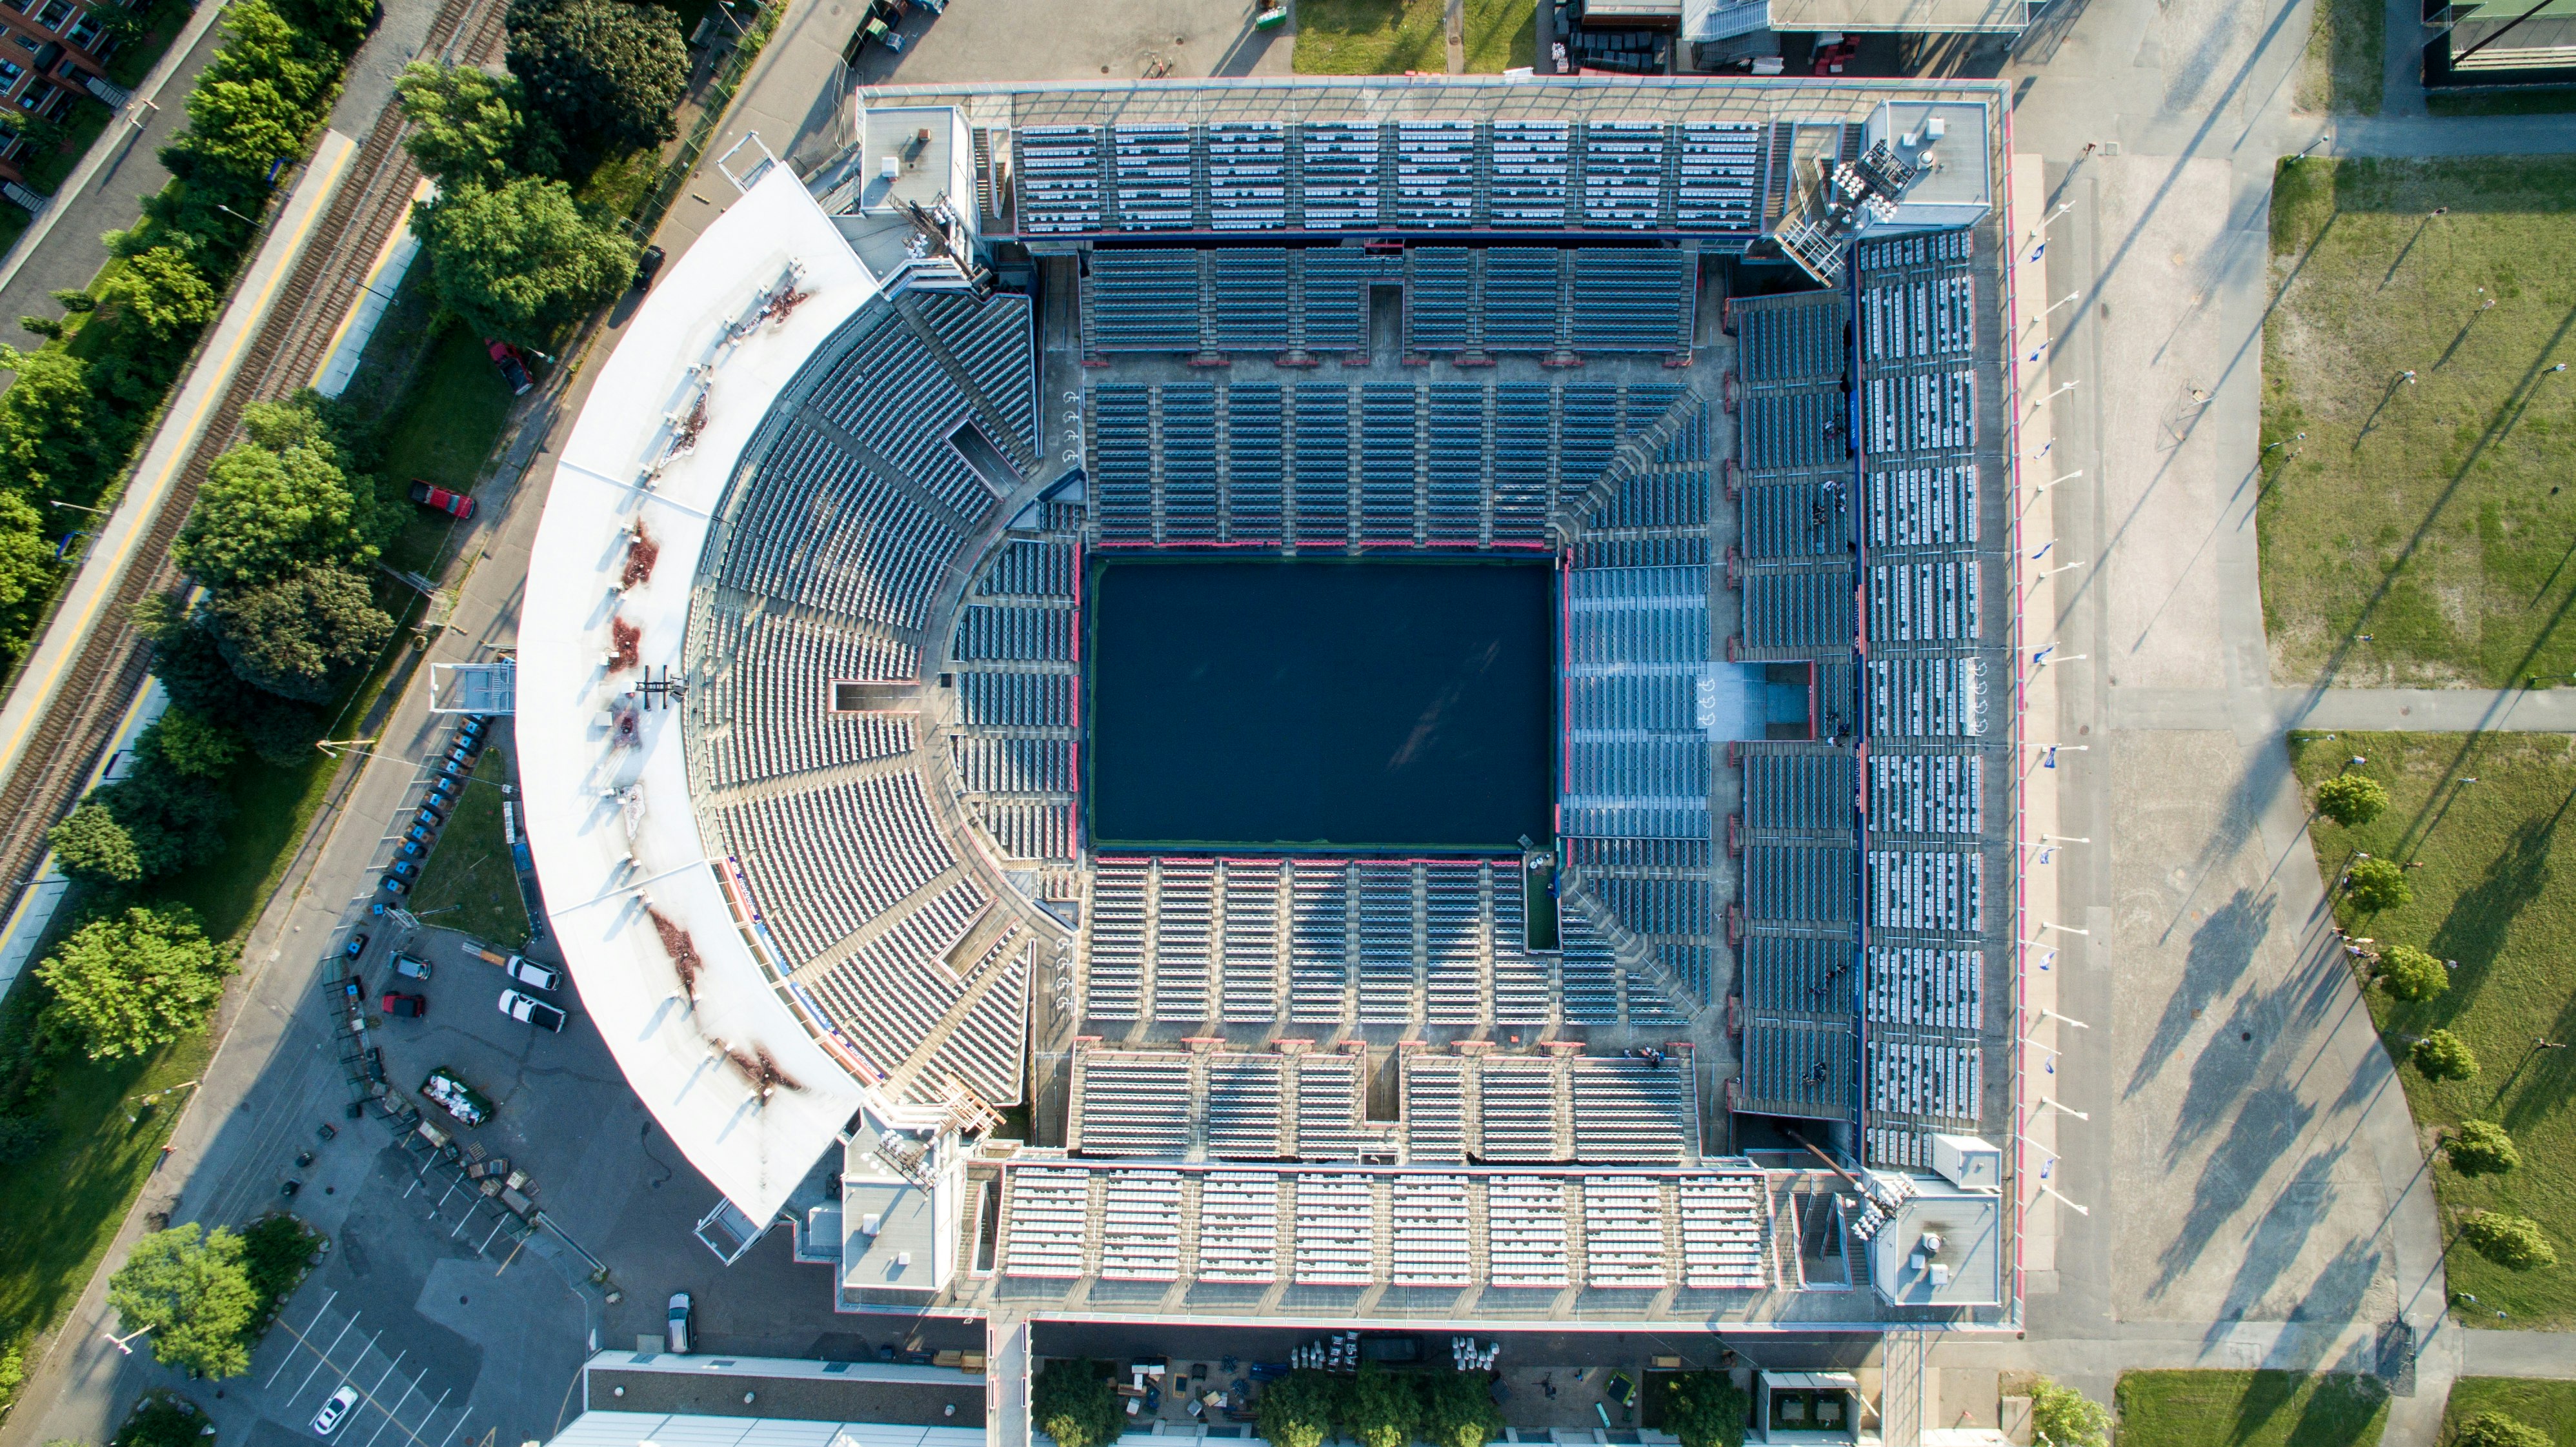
1382,701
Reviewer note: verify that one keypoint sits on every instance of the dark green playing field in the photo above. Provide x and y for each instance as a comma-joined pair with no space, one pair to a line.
1321,705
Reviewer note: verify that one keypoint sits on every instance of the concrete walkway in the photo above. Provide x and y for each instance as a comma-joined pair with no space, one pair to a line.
2257,1192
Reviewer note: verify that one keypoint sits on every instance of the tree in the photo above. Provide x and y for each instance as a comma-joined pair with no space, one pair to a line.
1299,1409
2512,1242
340,25
128,983
190,664
523,261
2442,1055
1458,1410
264,514
297,636
261,44
604,76
2064,1417
2352,799
159,291
243,125
2374,885
468,130
90,846
1072,1402
28,567
2481,1148
1705,1409
21,1137
195,1295
175,822
275,1251
1380,1408
191,744
2494,1429
52,442
2408,973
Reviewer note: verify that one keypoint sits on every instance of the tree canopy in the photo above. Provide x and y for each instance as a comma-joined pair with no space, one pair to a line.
2442,1055
467,125
1705,1409
1299,1409
2408,973
191,744
266,513
2513,1242
90,846
1379,1408
297,637
2351,799
1072,1402
2481,1148
2495,1429
1458,1410
51,444
2061,1416
2378,884
522,261
131,982
602,76
160,291
194,1293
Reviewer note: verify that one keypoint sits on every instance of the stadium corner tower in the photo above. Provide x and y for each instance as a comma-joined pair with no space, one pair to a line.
1375,702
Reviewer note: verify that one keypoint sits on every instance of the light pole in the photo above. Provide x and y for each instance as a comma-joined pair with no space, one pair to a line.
2070,1110
77,507
122,1343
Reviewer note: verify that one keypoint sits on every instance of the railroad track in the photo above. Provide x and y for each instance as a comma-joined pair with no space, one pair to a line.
110,668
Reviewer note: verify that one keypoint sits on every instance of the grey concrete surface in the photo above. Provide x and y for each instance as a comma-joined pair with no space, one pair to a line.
2512,710
1053,40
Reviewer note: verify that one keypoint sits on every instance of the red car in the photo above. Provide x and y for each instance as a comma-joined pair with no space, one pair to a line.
412,1005
439,499
514,368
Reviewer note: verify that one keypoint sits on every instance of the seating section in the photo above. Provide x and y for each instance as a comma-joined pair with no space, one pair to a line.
1243,1117
769,677
1799,788
1014,755
1632,1111
1436,464
824,861
1435,1110
1134,1105
994,343
1294,303
1332,177
1623,1233
811,525
1331,1090
1518,1115
1637,761
901,398
1923,341
1705,1228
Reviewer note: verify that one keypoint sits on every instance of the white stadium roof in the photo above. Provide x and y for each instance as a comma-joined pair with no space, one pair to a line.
601,849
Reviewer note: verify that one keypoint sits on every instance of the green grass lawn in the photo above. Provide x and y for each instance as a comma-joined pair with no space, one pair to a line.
2490,897
1389,37
2418,533
442,431
2547,1405
469,883
61,1208
2249,1409
2346,62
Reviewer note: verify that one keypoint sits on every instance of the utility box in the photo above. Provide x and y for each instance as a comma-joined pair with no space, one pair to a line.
1968,1163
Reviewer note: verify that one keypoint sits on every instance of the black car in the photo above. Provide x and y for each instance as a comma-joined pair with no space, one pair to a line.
647,266
428,817
357,945
420,833
413,849
395,885
406,868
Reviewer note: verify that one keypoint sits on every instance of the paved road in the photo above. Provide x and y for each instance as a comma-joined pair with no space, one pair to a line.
2230,1058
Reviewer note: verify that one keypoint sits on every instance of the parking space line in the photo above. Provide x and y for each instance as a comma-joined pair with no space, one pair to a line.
452,1431
487,1240
410,1385
363,1396
322,1357
289,1359
398,1401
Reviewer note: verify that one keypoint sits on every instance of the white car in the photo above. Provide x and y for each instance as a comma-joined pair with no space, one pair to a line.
677,1323
530,1009
529,972
335,1411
